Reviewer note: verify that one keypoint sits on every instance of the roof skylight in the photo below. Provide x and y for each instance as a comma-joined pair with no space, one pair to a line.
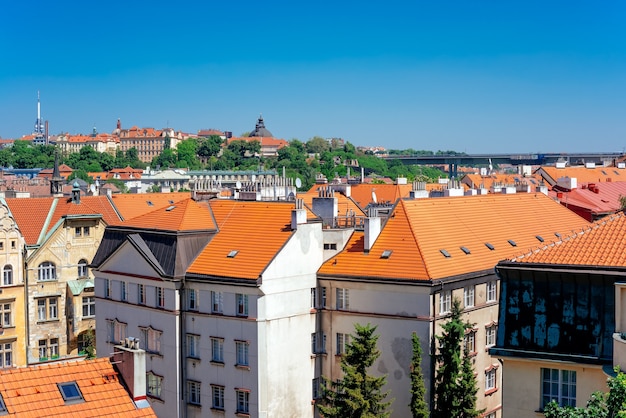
70,391
490,246
232,254
465,250
513,243
170,208
149,202
445,253
386,254
539,237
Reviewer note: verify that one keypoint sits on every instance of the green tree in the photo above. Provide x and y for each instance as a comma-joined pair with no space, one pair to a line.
187,153
451,393
317,145
80,174
468,387
419,408
210,147
357,394
90,344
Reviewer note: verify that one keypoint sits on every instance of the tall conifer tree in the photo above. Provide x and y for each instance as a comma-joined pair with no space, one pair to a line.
419,408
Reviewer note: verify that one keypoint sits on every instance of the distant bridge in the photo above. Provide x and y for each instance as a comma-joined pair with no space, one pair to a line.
453,161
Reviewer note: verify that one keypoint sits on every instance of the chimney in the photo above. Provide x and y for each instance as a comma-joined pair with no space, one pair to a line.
130,362
372,230
325,205
298,215
419,190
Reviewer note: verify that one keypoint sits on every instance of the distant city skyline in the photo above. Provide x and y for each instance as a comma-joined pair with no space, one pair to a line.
471,77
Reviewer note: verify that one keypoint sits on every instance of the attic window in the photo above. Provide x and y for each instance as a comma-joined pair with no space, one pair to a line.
465,250
513,243
3,407
445,253
171,202
171,208
232,254
604,172
539,237
556,234
149,202
490,246
616,172
70,392
386,254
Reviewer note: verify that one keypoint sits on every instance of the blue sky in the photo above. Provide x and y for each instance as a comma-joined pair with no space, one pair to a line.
474,76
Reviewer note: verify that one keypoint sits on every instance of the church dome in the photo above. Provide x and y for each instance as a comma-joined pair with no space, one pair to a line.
259,130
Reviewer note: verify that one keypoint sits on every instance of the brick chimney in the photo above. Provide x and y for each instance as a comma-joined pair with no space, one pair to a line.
130,362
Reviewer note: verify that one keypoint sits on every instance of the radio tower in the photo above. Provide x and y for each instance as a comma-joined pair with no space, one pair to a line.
40,133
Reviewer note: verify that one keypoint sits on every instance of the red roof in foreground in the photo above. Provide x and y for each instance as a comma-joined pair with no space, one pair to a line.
33,391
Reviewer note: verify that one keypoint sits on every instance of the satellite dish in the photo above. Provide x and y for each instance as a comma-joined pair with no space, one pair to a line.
238,184
374,198
298,182
253,178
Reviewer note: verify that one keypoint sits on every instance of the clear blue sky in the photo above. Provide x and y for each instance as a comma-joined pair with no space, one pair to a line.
474,76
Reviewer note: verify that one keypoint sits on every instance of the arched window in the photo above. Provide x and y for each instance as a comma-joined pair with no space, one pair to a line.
7,275
82,268
47,271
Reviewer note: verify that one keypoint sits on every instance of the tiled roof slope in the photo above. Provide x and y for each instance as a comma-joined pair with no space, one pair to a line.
582,174
183,215
476,180
256,230
131,205
606,200
601,244
419,229
33,391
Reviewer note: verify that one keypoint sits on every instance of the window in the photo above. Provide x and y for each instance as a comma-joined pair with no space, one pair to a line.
89,306
82,268
491,332
491,291
12,245
445,302
316,388
342,341
6,355
116,331
242,304
558,385
217,302
323,298
343,300
46,271
242,353
468,296
7,275
86,231
470,341
77,231
6,314
490,379
193,392
318,343
48,349
141,294
70,391
243,401
123,291
330,246
154,383
313,297
217,350
47,309
193,346
160,297
192,299
217,393
151,340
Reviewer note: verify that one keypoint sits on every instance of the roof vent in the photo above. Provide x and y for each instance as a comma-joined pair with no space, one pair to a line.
513,243
445,253
465,250
539,237
490,246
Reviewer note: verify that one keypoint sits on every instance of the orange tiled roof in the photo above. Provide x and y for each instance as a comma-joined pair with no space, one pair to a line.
419,229
582,174
184,215
476,180
33,391
602,244
131,205
257,230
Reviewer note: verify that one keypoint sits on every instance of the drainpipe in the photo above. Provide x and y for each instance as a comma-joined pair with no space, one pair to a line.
182,344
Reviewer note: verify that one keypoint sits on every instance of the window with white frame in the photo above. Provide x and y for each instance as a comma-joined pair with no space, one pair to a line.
468,296
141,294
47,309
154,383
445,301
242,348
193,346
89,306
116,331
491,415
343,299
491,332
217,350
78,231
82,268
160,297
217,393
193,392
6,355
217,302
470,341
192,299
242,304
342,341
558,385
243,401
6,312
151,340
46,271
123,291
318,343
7,275
492,291
490,379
